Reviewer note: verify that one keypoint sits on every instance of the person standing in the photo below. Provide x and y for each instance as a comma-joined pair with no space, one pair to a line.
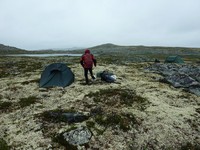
87,61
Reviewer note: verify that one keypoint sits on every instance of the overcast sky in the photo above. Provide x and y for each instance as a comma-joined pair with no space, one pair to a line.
42,24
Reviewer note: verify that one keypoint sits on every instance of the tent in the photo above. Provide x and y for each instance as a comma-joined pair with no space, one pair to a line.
174,59
56,74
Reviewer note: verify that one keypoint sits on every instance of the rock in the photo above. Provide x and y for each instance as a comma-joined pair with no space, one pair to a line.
181,80
79,136
74,117
68,117
185,76
195,90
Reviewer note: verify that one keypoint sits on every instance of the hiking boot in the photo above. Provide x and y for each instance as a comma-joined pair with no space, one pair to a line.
93,78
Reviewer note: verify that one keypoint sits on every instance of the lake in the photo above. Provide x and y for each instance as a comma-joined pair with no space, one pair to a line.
44,55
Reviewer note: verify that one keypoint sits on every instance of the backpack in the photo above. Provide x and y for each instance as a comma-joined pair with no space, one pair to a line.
88,59
108,77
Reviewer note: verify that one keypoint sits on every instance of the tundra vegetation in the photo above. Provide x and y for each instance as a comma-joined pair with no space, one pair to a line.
139,111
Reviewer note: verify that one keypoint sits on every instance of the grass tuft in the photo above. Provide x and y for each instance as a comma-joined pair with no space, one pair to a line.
27,101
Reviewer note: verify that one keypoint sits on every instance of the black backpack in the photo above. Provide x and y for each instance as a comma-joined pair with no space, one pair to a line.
107,76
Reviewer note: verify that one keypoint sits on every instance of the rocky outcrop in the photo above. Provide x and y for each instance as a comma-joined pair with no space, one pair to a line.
185,76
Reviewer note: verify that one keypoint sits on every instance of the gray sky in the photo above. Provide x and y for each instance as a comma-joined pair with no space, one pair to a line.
41,24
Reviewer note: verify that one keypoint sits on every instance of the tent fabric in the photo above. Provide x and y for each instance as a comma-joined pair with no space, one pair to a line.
56,74
174,59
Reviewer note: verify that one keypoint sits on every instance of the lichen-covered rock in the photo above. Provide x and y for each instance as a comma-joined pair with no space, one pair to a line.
75,137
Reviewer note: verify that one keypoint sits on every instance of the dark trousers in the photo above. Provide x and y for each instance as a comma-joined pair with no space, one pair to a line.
86,74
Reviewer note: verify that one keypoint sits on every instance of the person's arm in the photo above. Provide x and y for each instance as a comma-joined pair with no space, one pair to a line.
94,60
81,61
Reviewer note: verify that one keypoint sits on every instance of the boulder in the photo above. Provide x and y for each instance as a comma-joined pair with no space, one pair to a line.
75,137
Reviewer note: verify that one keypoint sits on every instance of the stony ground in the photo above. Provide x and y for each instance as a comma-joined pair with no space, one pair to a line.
135,113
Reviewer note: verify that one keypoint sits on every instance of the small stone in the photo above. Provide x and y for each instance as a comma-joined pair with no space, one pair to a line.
78,136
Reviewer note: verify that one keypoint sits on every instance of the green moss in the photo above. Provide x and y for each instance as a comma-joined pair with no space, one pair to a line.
113,97
109,96
28,66
99,131
3,145
101,119
198,110
4,74
190,146
90,124
5,105
109,59
27,101
124,121
12,66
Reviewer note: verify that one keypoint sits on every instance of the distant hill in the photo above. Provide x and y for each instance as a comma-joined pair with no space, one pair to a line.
111,48
5,50
10,50
106,46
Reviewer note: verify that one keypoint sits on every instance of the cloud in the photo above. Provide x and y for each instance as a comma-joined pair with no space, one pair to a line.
36,24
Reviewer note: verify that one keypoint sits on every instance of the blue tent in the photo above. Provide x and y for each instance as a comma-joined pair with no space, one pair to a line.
56,74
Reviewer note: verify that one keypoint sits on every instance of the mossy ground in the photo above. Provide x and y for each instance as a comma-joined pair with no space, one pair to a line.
10,66
3,145
123,121
112,107
8,106
27,101
117,97
109,103
4,106
190,146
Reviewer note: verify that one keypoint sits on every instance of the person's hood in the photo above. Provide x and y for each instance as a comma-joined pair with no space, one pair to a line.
87,51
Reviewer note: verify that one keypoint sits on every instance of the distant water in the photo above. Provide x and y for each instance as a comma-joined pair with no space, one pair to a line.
44,55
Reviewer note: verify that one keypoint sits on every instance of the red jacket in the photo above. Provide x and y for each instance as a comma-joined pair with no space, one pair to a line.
87,60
